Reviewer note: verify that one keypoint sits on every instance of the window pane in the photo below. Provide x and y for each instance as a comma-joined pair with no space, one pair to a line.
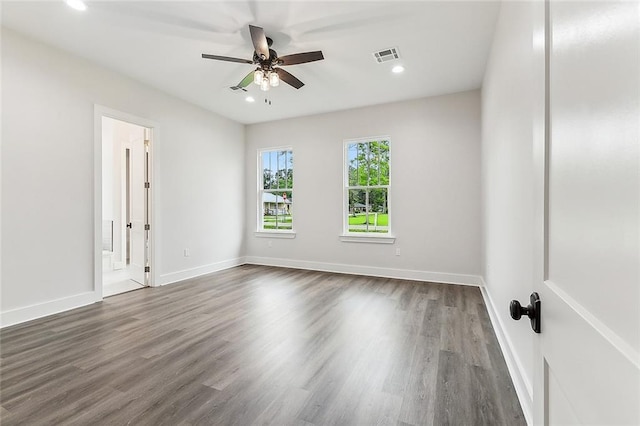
363,177
266,171
270,170
378,210
384,162
357,214
367,161
359,159
374,168
352,162
281,168
277,210
373,160
289,169
284,172
378,162
274,168
277,170
368,211
285,212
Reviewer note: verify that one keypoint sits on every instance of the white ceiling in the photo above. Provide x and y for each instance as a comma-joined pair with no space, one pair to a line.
443,46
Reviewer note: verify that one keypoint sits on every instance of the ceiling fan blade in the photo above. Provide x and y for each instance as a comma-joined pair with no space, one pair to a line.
227,58
259,41
288,78
247,80
301,58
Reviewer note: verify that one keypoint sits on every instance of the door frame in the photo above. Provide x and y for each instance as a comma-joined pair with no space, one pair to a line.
101,111
540,140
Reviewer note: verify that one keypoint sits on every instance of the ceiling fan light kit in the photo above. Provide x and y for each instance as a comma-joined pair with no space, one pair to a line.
268,74
257,76
274,80
264,84
266,79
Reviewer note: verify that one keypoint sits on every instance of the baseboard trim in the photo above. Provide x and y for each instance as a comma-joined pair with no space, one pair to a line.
175,277
40,310
404,274
29,313
523,387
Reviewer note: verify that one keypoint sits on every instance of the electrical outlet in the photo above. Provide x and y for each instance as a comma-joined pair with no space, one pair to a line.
186,252
397,252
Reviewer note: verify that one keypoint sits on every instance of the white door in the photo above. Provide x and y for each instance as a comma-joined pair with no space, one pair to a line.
588,154
137,211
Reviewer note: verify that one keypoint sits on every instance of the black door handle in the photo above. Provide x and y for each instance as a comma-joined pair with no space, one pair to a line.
532,311
129,225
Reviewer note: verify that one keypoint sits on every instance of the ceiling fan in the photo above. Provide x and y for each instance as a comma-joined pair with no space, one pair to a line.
268,74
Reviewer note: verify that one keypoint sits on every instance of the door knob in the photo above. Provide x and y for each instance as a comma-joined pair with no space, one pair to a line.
532,311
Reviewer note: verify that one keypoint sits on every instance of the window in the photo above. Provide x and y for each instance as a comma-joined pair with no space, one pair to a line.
276,190
366,190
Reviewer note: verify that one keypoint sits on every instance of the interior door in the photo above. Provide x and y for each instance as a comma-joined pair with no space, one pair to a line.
137,211
588,354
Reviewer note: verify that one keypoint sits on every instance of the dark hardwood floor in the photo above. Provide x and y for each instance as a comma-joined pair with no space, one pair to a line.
260,345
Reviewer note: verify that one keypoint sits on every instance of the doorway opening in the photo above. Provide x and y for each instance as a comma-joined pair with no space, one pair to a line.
126,206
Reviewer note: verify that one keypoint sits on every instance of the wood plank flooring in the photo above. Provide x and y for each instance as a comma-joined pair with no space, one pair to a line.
261,345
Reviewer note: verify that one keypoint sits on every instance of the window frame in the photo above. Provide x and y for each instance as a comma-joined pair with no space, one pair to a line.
366,237
260,231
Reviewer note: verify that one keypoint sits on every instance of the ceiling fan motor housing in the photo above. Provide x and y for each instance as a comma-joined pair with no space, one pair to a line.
268,63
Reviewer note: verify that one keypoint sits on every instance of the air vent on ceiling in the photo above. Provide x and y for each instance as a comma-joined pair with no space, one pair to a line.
386,55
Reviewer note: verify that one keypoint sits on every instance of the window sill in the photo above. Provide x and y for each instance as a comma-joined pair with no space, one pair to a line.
371,239
275,234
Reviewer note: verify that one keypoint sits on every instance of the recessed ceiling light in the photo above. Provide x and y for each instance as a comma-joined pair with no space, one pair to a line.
249,99
76,4
397,69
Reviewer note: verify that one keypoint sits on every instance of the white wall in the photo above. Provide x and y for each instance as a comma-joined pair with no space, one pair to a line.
507,186
48,99
435,198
